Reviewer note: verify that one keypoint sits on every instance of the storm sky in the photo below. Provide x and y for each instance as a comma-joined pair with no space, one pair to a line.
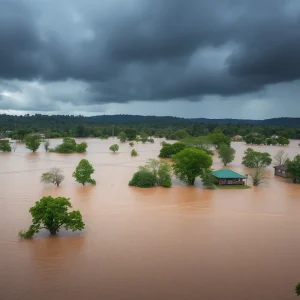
208,58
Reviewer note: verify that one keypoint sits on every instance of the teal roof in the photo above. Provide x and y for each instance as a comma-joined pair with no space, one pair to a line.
227,174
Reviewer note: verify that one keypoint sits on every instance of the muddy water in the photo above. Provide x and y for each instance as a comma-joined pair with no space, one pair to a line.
178,243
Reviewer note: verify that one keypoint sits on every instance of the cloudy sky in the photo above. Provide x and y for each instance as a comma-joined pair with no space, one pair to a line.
208,58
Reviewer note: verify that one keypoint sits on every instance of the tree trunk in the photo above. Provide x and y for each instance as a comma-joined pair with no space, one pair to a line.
53,231
192,181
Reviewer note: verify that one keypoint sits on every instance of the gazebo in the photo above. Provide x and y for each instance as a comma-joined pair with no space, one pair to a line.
229,177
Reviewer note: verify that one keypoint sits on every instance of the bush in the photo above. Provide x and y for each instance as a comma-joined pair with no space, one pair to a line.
69,146
114,148
81,148
143,179
134,153
5,146
131,144
168,150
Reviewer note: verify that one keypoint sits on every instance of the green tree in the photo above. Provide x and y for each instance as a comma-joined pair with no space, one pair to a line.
81,148
54,176
218,138
131,144
134,153
293,168
32,142
168,150
68,146
209,181
122,137
226,154
254,159
180,134
190,163
297,289
47,145
114,148
5,146
283,141
143,179
83,172
52,214
131,133
144,137
258,176
201,143
161,170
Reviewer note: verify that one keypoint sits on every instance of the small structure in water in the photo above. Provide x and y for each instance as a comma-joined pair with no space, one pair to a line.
229,177
281,171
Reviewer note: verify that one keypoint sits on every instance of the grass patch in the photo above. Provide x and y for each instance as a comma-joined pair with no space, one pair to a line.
233,187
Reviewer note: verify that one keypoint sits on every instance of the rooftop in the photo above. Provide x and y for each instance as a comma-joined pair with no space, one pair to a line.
227,174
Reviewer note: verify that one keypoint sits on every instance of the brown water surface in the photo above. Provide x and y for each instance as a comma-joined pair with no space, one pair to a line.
178,243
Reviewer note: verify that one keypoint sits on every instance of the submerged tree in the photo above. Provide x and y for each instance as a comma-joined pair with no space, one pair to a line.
143,179
122,137
161,170
134,153
32,142
131,144
53,176
297,289
5,146
52,214
258,176
83,172
226,154
280,158
208,180
114,148
255,159
190,163
293,169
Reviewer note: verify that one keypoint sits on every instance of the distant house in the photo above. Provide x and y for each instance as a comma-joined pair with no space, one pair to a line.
229,177
281,171
237,138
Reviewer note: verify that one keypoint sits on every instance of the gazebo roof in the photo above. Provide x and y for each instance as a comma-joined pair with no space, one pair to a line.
228,174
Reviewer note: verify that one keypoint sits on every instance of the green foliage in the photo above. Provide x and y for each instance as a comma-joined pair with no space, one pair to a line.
258,176
52,214
283,141
293,168
122,137
143,179
83,172
226,154
180,134
190,163
81,148
134,153
47,145
200,143
161,171
53,176
255,139
254,159
131,144
114,148
218,138
32,142
168,150
130,133
143,137
209,181
5,146
297,289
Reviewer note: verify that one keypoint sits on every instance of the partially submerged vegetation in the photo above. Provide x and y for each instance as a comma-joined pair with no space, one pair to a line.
69,145
83,172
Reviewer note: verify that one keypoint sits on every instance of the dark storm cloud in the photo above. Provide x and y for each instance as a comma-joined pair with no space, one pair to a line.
151,49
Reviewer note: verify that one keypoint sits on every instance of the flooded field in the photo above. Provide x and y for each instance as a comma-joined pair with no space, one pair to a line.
182,243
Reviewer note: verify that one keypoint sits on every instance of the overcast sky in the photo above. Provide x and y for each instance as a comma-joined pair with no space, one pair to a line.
208,58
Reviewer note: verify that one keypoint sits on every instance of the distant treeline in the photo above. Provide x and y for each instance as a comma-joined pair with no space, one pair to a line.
170,127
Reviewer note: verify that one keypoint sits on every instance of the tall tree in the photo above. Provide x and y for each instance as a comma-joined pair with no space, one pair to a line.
190,163
122,137
255,159
54,176
32,142
258,176
52,214
226,154
83,172
280,158
218,138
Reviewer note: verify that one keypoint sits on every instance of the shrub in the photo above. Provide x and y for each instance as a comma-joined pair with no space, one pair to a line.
134,153
143,179
114,148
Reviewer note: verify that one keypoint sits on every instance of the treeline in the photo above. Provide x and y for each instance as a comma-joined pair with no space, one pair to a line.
58,126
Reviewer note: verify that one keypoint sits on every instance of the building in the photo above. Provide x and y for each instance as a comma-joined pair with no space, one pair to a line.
237,138
281,171
229,177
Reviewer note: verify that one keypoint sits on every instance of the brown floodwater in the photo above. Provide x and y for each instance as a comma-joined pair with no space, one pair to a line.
178,243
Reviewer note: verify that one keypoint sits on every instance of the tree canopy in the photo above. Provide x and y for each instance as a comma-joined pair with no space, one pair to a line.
190,163
54,176
226,154
83,172
51,214
32,142
114,148
293,168
255,159
5,146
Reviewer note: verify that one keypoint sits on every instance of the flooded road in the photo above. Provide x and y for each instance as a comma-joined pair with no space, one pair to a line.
178,243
